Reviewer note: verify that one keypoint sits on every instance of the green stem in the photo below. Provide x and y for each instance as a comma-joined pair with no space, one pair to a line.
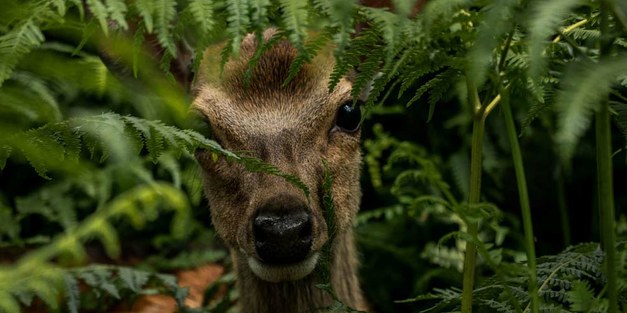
561,203
521,182
474,194
604,173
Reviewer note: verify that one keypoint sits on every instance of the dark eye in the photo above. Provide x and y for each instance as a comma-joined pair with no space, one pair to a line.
349,116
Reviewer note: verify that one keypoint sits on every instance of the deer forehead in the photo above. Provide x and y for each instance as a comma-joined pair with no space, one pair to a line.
273,111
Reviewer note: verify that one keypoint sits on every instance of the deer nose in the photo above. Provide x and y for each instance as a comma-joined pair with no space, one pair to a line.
282,231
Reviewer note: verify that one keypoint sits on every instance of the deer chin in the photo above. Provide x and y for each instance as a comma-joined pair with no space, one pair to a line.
282,273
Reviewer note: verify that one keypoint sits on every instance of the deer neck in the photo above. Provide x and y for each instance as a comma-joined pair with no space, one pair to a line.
259,296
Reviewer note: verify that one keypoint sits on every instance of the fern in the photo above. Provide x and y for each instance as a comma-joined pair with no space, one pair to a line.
494,25
146,9
202,11
583,89
238,20
113,281
16,43
165,13
117,12
33,274
341,16
259,14
295,20
544,23
100,12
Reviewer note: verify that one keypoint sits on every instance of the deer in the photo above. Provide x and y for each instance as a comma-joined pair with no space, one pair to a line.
275,233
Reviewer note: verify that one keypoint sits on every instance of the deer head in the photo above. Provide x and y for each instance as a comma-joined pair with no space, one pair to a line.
265,220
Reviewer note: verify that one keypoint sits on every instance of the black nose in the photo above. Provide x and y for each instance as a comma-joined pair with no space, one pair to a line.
282,230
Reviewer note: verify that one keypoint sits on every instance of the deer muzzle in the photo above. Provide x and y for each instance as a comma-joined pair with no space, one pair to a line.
282,229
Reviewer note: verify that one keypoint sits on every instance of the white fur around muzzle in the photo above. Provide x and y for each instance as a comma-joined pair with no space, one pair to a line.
280,273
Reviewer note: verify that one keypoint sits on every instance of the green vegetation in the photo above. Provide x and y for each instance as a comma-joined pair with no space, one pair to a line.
479,155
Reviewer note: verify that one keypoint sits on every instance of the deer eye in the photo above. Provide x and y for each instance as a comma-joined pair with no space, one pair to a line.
349,116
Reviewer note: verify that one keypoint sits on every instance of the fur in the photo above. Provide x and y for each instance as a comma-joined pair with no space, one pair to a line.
293,128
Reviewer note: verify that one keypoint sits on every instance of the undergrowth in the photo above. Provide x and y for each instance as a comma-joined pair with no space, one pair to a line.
97,145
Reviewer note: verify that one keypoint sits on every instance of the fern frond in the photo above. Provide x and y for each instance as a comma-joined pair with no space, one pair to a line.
165,13
117,12
390,25
295,20
100,12
16,43
495,23
547,16
259,14
238,21
202,11
341,15
146,9
584,87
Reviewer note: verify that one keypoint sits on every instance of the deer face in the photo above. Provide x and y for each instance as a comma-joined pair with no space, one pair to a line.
264,219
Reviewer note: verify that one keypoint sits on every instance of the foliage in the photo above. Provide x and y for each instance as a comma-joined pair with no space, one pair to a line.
111,151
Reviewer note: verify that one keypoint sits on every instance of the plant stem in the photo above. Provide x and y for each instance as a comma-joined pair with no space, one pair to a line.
561,203
521,182
604,173
474,194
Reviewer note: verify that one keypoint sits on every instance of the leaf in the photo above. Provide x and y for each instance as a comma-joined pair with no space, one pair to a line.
202,11
259,13
99,10
546,17
583,89
295,20
341,15
72,293
117,11
17,43
165,13
580,296
497,20
133,279
237,23
146,9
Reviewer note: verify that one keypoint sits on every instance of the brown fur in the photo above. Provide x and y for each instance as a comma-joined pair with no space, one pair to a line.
291,127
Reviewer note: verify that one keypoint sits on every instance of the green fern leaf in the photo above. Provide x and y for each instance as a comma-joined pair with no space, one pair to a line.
133,279
341,15
202,11
238,22
165,13
367,71
117,11
390,25
146,9
496,22
72,293
580,296
546,18
259,13
104,282
108,237
295,20
584,87
100,12
17,43
79,5
60,5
